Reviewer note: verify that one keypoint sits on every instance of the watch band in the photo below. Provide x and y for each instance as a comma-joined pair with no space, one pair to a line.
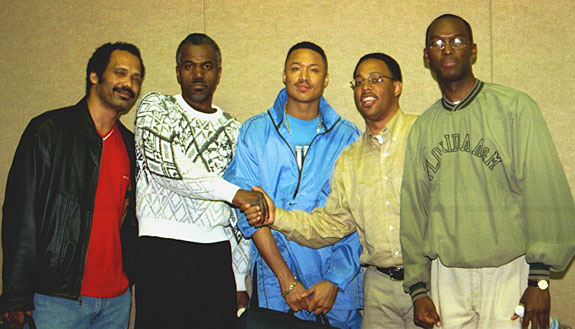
540,284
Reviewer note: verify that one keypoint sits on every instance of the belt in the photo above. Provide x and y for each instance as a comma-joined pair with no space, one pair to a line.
395,273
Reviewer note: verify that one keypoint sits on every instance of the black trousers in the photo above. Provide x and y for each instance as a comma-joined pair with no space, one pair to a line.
184,285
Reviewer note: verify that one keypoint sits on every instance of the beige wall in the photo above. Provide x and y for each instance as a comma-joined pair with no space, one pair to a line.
523,44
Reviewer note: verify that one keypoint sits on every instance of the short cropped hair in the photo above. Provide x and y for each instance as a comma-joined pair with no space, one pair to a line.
389,61
310,46
467,26
198,39
101,57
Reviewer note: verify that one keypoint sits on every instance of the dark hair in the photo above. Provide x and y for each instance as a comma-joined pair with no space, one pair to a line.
467,26
389,61
101,57
310,46
198,39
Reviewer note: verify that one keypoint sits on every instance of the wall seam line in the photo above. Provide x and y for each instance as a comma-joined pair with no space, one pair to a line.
491,40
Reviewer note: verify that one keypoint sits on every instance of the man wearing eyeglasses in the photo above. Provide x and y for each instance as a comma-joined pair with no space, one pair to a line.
364,195
486,210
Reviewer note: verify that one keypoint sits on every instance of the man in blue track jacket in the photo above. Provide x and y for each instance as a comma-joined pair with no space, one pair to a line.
290,151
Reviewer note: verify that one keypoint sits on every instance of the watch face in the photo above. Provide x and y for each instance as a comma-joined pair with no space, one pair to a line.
543,284
520,310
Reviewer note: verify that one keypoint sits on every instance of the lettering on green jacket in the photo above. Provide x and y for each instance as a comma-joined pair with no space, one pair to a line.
452,143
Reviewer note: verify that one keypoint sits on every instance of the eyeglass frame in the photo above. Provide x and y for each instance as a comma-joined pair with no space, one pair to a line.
464,44
353,85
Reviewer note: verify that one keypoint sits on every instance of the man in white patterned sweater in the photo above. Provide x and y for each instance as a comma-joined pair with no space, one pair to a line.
184,144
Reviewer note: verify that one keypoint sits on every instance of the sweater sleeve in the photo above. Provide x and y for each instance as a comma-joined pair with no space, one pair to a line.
162,150
547,203
240,257
414,219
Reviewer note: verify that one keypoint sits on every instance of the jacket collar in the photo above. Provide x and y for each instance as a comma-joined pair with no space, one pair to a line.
329,116
453,107
84,126
85,129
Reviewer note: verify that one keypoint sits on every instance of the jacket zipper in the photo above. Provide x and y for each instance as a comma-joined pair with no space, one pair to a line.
295,159
300,170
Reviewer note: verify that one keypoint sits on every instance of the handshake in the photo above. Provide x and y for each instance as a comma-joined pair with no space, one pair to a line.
256,205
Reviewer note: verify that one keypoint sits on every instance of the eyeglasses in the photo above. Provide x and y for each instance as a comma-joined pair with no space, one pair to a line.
455,43
373,79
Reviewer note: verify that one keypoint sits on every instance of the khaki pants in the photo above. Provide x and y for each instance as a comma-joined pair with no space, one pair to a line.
478,298
386,305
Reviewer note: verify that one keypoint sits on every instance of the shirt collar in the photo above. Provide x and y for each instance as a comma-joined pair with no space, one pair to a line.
195,113
387,134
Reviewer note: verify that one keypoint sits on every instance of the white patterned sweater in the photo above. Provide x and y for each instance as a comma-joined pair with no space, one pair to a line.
181,156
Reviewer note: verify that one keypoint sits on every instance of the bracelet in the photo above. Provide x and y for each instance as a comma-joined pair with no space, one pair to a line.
291,287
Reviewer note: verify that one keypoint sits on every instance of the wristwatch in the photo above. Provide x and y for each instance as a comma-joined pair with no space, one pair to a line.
541,284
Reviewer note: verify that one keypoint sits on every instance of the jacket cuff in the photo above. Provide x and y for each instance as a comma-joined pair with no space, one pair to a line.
417,291
538,271
336,280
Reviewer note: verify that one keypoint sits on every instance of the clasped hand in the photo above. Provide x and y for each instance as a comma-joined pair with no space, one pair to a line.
258,214
254,199
318,299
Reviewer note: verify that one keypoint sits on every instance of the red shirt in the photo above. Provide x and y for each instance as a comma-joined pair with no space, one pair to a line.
103,274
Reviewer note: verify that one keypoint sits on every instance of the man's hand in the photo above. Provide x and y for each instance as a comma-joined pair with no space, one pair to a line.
424,313
256,217
242,299
537,305
324,294
296,298
253,199
17,316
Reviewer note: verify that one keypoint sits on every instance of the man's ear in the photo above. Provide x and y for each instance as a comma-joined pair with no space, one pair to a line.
94,78
219,75
398,87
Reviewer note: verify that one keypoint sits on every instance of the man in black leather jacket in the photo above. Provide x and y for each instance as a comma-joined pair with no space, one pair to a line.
69,205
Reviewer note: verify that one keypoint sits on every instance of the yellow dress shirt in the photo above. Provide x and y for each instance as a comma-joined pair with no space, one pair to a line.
364,196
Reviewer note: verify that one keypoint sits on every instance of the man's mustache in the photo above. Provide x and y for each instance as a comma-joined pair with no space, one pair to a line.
200,81
125,89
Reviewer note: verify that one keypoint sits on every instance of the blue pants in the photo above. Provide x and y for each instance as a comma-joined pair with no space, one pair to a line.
93,313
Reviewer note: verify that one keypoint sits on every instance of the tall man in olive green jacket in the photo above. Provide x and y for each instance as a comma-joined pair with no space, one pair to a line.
365,195
484,202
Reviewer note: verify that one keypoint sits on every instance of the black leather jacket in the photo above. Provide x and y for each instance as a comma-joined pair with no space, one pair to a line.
48,207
